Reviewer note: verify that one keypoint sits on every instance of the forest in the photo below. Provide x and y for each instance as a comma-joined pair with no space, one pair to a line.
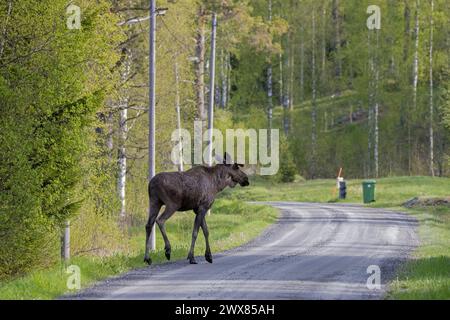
358,85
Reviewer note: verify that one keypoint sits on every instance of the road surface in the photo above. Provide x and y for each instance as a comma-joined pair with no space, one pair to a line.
314,251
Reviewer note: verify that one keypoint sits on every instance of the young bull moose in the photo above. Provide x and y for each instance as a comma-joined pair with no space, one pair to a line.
195,190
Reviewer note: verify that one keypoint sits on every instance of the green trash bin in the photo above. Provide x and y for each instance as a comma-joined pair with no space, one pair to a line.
368,191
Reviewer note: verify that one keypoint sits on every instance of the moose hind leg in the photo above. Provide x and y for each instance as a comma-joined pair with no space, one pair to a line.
197,222
153,214
208,255
161,220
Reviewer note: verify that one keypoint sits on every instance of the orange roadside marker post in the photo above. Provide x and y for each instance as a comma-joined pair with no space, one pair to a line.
337,183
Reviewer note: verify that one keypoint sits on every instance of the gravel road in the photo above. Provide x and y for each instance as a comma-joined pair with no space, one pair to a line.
314,251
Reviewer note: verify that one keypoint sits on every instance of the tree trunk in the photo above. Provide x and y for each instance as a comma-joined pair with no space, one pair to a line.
415,81
280,81
313,100
376,107
228,64
431,93
123,132
407,33
302,68
324,49
291,75
336,18
212,68
223,78
370,105
5,28
269,87
200,64
109,136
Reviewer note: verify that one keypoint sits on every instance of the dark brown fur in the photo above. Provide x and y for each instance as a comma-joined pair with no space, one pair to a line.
196,190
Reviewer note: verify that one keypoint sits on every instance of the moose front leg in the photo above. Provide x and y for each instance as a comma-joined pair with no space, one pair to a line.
155,205
197,223
204,226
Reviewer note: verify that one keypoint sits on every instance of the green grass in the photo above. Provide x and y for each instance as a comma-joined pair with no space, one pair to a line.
427,275
232,223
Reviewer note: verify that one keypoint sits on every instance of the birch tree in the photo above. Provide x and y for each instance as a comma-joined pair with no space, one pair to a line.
269,85
415,80
313,97
123,132
431,107
200,63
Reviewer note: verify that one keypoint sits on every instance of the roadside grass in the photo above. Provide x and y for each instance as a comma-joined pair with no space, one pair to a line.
231,223
427,274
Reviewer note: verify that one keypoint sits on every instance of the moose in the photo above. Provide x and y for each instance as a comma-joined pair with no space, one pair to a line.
194,189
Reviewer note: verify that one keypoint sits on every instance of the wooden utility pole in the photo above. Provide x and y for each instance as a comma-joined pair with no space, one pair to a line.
212,71
177,108
151,109
65,242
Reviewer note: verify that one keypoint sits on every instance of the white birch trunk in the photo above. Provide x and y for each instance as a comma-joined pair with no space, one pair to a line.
313,100
291,75
324,49
123,134
431,93
228,94
376,111
200,66
269,88
370,105
415,81
302,67
280,81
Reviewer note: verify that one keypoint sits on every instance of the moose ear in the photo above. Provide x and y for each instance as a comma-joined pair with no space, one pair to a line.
227,159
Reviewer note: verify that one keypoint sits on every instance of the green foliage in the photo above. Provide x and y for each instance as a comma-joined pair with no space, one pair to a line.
59,78
287,169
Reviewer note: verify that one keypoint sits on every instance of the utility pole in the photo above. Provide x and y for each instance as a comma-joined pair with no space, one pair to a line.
177,108
151,109
151,95
269,89
65,242
212,70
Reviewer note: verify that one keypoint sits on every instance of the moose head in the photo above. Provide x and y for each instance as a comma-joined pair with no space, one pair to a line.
233,172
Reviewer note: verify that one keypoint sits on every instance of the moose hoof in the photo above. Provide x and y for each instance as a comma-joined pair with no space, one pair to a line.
148,261
208,257
192,260
167,253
